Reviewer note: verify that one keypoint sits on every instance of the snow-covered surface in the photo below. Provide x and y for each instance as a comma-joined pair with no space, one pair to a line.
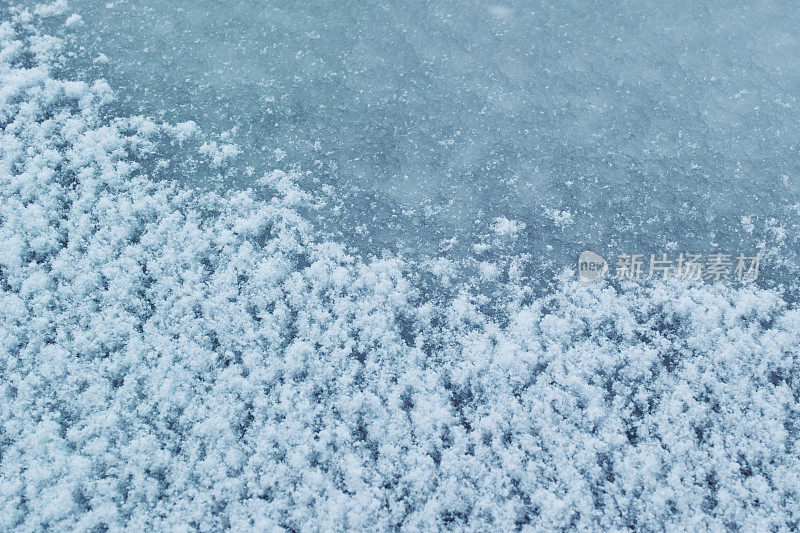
173,358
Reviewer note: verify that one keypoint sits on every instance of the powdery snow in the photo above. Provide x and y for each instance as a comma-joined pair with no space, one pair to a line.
174,359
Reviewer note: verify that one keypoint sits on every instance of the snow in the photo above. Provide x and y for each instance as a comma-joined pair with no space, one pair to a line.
177,358
73,20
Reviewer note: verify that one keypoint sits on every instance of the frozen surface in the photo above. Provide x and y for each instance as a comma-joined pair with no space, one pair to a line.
175,358
648,122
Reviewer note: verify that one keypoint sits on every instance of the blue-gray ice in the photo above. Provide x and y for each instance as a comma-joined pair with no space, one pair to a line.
646,124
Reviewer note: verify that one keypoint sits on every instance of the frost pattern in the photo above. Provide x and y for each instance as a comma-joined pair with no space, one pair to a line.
174,359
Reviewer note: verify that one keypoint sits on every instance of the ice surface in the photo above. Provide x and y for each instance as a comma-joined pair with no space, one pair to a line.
174,358
648,122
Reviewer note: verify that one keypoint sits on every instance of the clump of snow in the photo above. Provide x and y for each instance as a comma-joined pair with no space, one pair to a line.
73,20
747,224
561,219
489,271
178,359
481,247
286,185
219,153
505,227
184,130
51,9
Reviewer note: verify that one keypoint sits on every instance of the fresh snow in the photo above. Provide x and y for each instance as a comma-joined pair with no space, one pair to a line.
173,358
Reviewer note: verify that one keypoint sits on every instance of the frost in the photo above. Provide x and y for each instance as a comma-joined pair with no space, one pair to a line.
175,359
